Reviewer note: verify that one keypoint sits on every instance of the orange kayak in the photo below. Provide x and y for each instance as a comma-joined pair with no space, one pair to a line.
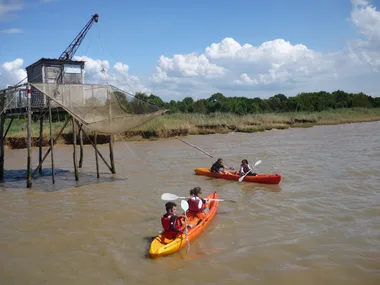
164,245
259,178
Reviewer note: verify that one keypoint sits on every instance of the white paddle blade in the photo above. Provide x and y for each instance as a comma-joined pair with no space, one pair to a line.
256,164
169,197
184,205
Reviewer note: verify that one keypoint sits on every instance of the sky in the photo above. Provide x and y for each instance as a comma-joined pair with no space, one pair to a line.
178,49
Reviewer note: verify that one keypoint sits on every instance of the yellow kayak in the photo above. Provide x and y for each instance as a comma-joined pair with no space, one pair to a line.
164,245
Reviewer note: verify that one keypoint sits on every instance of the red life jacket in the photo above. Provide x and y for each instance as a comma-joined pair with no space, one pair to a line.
245,168
165,221
193,205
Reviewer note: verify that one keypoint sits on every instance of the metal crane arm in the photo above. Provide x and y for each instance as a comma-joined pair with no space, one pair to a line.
72,48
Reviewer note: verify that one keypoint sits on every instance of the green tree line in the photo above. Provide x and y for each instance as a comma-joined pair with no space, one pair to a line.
309,102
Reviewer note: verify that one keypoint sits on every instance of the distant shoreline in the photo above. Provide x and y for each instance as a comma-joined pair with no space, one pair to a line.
183,124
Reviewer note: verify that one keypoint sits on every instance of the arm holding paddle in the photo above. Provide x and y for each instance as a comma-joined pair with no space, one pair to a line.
219,167
256,164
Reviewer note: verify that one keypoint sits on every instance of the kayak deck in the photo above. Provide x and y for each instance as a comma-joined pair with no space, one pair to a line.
259,178
164,244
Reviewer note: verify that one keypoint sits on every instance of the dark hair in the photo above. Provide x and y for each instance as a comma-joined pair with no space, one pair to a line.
244,161
195,191
170,205
220,159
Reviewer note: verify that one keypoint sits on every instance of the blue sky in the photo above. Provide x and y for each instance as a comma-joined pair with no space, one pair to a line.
176,49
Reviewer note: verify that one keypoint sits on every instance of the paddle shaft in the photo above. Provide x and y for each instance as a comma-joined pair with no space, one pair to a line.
171,197
242,178
185,207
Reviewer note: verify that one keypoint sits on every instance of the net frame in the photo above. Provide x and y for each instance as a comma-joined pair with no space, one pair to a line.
104,109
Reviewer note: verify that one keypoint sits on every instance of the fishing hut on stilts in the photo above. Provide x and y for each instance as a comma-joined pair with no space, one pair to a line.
56,86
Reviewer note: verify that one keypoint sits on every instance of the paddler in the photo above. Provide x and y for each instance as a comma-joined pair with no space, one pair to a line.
170,221
197,205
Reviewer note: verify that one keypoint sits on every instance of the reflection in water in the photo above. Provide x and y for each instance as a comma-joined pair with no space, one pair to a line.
260,187
320,225
199,253
65,179
13,175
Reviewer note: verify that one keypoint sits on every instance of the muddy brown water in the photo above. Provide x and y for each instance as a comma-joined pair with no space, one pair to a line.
320,225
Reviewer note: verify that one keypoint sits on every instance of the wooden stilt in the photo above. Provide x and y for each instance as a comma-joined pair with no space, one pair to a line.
74,150
111,155
2,153
9,126
97,151
55,139
111,136
96,155
40,144
51,143
81,147
29,139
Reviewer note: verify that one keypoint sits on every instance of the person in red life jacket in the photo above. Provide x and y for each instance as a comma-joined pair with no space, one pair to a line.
244,168
170,222
197,205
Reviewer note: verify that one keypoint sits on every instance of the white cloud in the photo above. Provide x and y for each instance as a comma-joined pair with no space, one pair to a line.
93,66
367,20
121,68
245,79
11,72
235,67
278,50
99,71
125,81
227,48
187,65
251,70
11,31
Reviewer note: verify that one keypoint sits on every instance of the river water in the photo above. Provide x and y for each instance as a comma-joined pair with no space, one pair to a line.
320,225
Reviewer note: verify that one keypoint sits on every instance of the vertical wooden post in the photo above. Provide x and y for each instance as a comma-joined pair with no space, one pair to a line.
51,143
81,146
96,155
111,136
75,146
2,153
49,150
111,155
9,126
29,138
40,145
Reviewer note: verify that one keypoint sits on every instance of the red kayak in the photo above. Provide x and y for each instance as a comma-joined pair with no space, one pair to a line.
259,178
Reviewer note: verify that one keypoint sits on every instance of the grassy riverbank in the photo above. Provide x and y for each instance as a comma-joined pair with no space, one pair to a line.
195,124
181,124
